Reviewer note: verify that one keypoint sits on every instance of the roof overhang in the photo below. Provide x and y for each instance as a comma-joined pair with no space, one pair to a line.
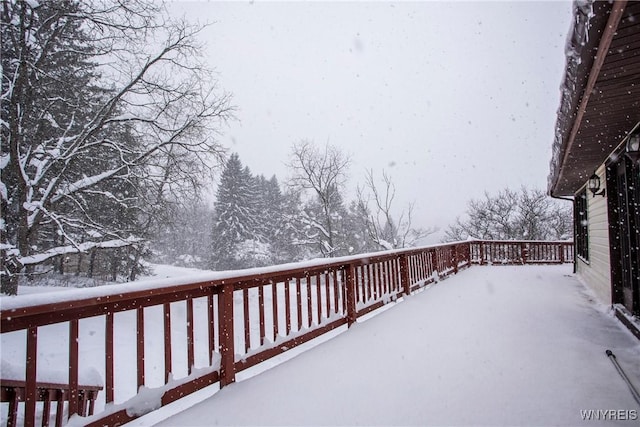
600,101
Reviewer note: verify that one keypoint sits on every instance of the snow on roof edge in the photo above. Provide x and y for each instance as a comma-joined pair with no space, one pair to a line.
577,39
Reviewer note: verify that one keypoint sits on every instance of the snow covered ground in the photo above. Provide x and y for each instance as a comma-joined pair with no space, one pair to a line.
521,345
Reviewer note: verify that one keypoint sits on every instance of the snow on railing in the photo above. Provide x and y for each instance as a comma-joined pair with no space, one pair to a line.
157,341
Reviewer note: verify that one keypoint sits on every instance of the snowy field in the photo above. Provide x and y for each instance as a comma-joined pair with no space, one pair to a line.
521,345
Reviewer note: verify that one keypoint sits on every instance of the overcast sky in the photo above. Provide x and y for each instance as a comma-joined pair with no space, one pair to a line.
450,98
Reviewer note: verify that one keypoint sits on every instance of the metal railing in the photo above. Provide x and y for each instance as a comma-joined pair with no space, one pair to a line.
187,336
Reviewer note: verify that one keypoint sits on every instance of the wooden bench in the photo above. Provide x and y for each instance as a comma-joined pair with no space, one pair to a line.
13,391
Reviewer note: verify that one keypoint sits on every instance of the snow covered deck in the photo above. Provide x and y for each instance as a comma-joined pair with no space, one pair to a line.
504,345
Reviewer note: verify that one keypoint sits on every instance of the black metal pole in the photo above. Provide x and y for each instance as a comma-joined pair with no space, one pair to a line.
626,379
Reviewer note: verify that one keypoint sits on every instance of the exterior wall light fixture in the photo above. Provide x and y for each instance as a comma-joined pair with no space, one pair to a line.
633,147
594,186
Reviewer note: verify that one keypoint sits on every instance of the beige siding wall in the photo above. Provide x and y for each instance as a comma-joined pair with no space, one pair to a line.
596,272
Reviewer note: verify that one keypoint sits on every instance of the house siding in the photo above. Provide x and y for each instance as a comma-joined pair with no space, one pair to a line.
596,273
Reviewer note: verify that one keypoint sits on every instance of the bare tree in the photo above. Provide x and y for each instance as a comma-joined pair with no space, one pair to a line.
93,108
384,229
323,172
525,215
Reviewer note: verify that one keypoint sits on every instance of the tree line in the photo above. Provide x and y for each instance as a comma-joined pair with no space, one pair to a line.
257,221
527,214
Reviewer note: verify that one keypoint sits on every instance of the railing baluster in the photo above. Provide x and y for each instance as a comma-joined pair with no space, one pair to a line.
299,302
274,301
379,280
261,313
369,283
190,343
336,295
139,346
359,283
309,302
395,274
318,298
247,321
327,288
108,358
166,322
211,327
73,367
62,396
287,307
387,278
391,274
384,278
46,408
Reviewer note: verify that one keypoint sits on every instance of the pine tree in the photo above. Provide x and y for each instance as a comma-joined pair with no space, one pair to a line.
235,216
276,213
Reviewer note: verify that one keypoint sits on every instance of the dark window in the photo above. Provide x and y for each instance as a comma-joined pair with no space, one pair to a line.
582,226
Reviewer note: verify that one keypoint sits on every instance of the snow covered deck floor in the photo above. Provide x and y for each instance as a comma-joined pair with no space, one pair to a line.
507,345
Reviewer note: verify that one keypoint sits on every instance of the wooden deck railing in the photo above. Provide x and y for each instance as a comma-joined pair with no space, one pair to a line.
13,392
228,322
520,252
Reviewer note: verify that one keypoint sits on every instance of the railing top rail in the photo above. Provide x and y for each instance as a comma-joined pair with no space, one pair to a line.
56,386
547,242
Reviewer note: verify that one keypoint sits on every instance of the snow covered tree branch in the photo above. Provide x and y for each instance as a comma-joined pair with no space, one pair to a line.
96,113
528,214
324,173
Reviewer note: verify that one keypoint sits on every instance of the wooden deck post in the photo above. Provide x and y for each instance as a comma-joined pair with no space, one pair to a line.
226,337
434,261
404,274
350,288
455,259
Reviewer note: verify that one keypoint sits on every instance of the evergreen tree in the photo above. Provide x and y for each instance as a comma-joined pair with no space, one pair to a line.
275,212
358,238
235,218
